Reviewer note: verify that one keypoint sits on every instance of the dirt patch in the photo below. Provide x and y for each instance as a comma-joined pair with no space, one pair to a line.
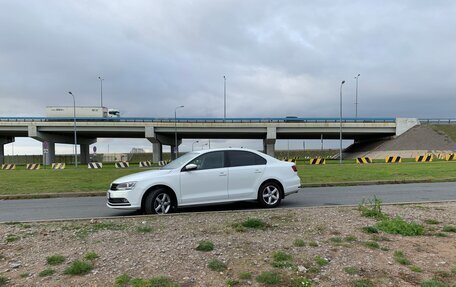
152,246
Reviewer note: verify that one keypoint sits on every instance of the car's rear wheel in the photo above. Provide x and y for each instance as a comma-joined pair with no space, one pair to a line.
159,201
269,194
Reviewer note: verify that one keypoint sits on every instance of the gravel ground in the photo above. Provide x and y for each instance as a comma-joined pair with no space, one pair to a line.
149,246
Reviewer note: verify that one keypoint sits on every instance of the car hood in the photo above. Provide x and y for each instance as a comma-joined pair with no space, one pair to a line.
143,175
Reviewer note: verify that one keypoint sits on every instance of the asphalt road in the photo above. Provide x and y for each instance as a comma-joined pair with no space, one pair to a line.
91,207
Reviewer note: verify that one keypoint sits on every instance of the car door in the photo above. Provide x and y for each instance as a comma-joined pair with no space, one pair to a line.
245,172
208,182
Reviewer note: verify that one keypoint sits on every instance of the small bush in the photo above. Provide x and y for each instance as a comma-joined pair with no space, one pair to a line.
350,238
370,229
321,261
415,268
231,282
216,265
449,228
24,275
453,270
299,243
300,282
282,259
335,239
351,270
363,283
12,238
122,280
245,276
313,243
431,221
441,234
433,283
144,229
46,272
269,278
78,268
55,259
372,208
372,245
398,225
400,258
91,256
254,223
3,281
159,281
205,246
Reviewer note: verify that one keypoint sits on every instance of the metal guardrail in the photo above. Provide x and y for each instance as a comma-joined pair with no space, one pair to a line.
202,120
438,121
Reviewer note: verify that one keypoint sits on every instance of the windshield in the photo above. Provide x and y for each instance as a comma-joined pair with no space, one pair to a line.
180,161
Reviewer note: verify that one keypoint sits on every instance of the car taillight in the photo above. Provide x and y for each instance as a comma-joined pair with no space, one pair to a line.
294,168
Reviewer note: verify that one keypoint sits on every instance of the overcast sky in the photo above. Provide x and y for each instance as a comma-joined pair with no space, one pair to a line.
280,57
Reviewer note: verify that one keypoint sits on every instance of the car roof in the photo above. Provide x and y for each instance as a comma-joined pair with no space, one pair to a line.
224,149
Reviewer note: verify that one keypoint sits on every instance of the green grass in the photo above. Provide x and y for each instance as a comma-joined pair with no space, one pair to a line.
245,276
433,283
12,238
370,229
3,281
449,228
431,221
90,256
281,259
350,238
398,225
232,282
46,272
55,259
159,281
400,258
372,208
362,283
24,275
83,179
352,270
321,261
313,243
216,265
78,268
299,243
269,278
85,230
415,268
145,229
372,245
205,246
122,280
250,223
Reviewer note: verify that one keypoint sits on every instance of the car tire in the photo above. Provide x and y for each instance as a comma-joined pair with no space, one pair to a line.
270,194
159,201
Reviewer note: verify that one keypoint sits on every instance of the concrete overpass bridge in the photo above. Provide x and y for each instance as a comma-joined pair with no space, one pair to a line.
161,131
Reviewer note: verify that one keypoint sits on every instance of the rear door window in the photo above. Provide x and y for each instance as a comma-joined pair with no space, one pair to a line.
244,158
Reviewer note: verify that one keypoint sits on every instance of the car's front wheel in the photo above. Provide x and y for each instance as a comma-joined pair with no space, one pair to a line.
269,194
159,201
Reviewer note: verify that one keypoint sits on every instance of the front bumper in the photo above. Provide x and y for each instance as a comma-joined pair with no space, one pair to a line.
120,200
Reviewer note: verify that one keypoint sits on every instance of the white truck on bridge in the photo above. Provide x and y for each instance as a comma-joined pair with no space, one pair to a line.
81,112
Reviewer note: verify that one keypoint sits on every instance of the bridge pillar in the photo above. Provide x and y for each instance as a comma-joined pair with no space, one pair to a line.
269,142
48,152
3,141
84,153
157,152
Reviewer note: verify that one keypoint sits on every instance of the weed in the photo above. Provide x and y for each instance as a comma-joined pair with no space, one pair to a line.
321,261
3,281
216,265
46,272
415,268
313,243
335,239
351,270
363,283
400,258
372,208
453,270
442,274
122,280
433,283
300,282
231,282
350,238
254,223
159,281
441,234
372,245
91,256
12,238
370,229
449,228
24,275
375,237
398,225
269,278
245,276
282,259
145,229
205,246
82,233
431,221
299,243
78,268
314,270
55,259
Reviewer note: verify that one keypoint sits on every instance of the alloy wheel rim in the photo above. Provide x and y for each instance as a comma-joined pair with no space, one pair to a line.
162,203
270,195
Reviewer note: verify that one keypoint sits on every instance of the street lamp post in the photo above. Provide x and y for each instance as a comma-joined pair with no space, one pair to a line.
340,151
193,144
74,131
224,97
356,99
176,150
101,89
204,145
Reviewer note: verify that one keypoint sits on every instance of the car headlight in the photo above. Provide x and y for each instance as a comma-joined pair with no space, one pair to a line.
126,185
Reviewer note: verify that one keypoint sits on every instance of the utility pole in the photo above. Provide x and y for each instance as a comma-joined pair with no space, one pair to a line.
340,150
356,99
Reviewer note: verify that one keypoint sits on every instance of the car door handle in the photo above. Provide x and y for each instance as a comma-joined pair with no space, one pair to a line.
222,174
258,171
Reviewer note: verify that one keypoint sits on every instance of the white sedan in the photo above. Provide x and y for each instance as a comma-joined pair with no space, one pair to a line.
206,177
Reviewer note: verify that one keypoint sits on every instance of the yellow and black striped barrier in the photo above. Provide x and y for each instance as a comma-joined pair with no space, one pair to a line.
8,166
122,164
95,165
32,166
363,160
163,162
393,159
449,157
58,165
441,156
424,158
317,161
145,164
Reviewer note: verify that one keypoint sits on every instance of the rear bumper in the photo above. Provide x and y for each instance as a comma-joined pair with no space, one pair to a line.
292,186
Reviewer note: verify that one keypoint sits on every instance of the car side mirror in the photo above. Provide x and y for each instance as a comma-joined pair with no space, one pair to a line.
190,167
